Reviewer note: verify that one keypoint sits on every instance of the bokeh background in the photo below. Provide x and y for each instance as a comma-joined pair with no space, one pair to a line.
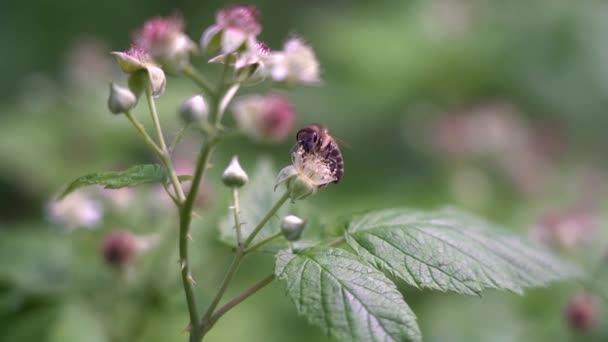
499,107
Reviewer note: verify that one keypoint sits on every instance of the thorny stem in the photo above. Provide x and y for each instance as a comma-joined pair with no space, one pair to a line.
237,300
237,261
199,79
184,231
164,155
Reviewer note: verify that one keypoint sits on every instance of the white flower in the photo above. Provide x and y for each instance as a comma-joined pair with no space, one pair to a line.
309,172
296,63
74,211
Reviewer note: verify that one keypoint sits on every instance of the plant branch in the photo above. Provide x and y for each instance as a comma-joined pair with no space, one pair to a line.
142,131
237,222
238,299
263,242
237,261
199,79
164,156
266,218
184,231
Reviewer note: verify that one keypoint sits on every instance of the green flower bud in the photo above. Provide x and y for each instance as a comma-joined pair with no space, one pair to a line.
292,227
234,176
121,100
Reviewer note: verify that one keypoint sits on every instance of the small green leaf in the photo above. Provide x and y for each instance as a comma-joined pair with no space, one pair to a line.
450,250
347,298
136,175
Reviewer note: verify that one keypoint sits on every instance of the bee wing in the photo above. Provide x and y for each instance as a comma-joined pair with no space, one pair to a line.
342,142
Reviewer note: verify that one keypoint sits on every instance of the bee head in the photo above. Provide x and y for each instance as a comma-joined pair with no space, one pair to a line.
308,137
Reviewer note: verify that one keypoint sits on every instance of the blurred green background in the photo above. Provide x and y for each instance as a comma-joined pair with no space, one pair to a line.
496,106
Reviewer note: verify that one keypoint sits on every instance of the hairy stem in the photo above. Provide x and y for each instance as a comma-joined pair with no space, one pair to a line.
164,156
199,79
237,212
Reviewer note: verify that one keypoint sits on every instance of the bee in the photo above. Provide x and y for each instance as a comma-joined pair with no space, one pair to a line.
316,139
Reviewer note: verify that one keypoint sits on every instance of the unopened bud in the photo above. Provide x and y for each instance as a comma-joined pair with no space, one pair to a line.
121,99
292,227
234,176
194,109
120,248
582,312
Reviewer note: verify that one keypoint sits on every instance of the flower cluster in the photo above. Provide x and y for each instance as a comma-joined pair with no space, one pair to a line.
235,35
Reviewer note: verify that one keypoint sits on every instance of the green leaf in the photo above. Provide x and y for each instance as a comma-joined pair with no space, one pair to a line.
347,298
450,250
135,175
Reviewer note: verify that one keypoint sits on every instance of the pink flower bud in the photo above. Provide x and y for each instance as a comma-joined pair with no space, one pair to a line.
164,39
235,27
119,248
242,18
582,312
265,118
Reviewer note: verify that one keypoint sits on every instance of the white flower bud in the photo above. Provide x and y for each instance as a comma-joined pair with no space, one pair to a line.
121,99
194,109
234,175
292,227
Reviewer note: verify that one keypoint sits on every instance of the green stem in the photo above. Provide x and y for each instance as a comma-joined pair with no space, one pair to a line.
184,231
237,211
263,242
142,131
199,79
266,218
220,293
164,156
237,300
237,261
